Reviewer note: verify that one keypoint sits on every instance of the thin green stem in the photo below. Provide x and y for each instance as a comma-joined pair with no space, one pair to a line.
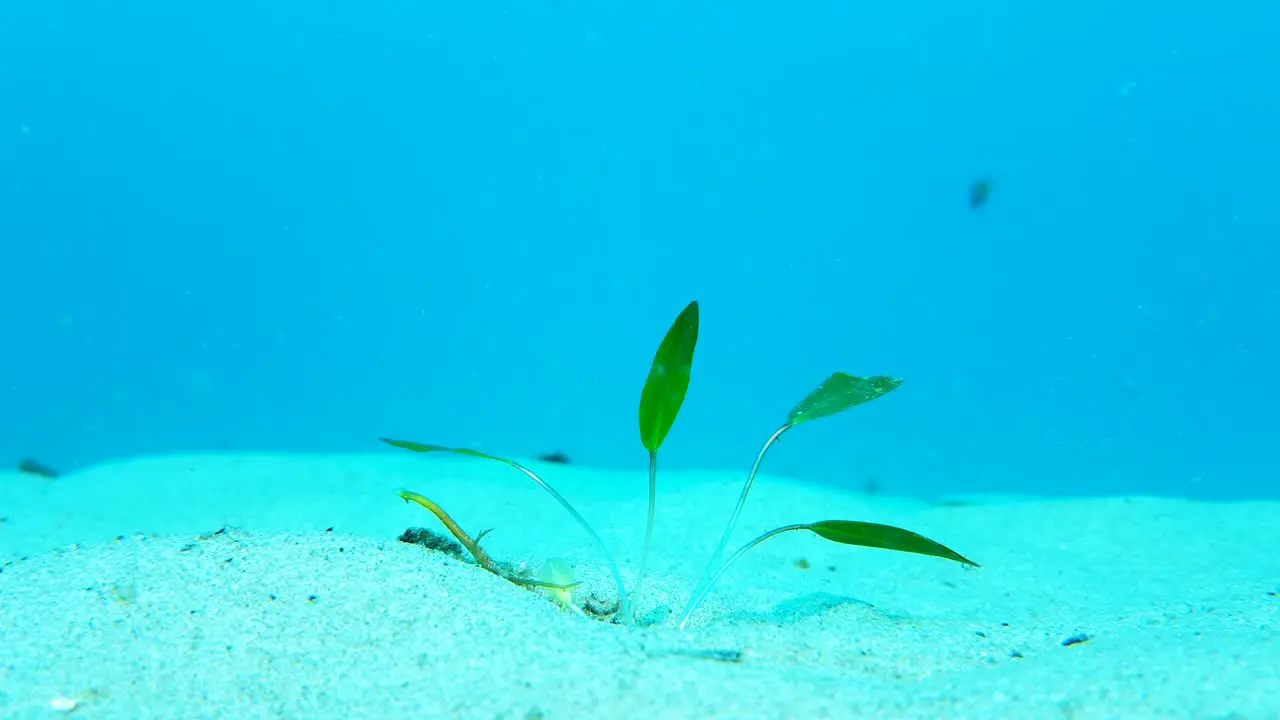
648,529
624,608
701,595
700,590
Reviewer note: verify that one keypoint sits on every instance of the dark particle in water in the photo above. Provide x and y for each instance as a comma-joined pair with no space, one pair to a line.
979,193
556,457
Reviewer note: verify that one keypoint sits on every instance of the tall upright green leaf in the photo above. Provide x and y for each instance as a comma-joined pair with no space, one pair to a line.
668,381
838,393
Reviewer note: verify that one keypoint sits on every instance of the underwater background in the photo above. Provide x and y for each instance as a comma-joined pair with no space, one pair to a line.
298,227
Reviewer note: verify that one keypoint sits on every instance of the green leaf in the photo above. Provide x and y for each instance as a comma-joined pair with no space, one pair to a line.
425,448
582,522
887,537
839,393
668,381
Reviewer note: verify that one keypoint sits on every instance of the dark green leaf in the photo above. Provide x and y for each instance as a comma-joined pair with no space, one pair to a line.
839,393
668,381
850,532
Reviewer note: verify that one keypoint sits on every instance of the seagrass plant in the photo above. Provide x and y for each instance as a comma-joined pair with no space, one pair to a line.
660,402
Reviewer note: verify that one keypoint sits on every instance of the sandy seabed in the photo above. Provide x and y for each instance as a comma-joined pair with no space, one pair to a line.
258,586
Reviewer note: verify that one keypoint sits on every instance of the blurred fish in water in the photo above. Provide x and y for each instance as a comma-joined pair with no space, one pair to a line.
979,191
31,467
555,457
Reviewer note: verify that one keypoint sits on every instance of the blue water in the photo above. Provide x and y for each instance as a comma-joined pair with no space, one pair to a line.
299,226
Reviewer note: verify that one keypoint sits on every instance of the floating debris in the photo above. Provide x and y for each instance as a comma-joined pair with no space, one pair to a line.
979,192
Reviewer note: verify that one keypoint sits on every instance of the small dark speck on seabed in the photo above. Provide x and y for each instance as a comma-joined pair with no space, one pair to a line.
33,467
725,656
1077,639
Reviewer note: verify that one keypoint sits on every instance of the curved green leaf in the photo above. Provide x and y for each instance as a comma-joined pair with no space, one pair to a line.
847,532
839,393
582,522
668,381
887,537
425,448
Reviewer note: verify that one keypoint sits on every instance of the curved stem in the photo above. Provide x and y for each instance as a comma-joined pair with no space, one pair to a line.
624,608
648,529
699,591
706,589
473,546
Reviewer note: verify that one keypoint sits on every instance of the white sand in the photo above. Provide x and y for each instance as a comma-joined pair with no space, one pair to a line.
1179,600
